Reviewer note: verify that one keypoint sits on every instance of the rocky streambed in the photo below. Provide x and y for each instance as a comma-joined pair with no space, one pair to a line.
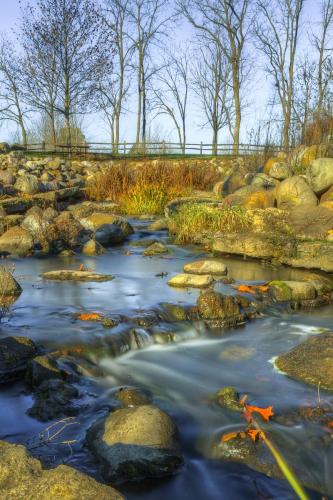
128,370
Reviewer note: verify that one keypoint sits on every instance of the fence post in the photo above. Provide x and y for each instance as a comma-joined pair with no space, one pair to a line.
201,148
163,147
124,147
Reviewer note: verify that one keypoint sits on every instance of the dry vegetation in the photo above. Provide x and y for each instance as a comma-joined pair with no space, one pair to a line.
150,187
192,221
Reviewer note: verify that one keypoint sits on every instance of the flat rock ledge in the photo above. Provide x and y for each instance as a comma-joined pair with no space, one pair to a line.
191,281
67,275
22,476
311,361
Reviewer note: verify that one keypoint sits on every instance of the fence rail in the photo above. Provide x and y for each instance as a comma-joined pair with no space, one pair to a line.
151,149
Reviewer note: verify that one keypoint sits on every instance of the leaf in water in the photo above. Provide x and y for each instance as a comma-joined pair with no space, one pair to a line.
81,268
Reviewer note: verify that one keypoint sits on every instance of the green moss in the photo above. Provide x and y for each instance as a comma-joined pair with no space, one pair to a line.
282,291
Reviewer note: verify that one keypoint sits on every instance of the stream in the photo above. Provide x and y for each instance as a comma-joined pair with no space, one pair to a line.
181,376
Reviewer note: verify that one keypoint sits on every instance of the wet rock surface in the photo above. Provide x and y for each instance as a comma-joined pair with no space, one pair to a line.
311,361
22,476
134,443
15,353
69,275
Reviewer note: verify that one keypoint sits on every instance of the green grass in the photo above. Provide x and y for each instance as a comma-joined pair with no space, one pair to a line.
193,220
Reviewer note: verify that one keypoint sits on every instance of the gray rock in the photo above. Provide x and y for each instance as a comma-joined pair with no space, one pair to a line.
135,443
280,171
206,267
92,248
295,191
264,181
214,305
28,184
8,284
320,175
191,281
155,249
16,241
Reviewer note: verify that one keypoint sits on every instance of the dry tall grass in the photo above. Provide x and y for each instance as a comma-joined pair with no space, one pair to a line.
148,188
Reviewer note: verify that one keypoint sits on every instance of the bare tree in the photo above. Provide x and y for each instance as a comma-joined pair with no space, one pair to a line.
12,106
225,23
41,76
212,83
305,95
150,19
171,91
323,43
277,31
68,33
114,88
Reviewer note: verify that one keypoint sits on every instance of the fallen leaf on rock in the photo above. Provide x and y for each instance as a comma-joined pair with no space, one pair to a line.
252,289
255,434
90,317
266,413
232,435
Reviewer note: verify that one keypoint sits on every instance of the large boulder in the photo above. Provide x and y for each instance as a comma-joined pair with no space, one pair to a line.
214,305
234,182
4,147
7,177
295,191
72,233
54,399
280,171
28,184
311,361
320,175
8,284
292,290
23,477
16,241
135,443
264,181
97,220
312,222
15,354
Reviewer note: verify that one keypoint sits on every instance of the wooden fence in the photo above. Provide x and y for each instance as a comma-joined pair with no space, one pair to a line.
127,149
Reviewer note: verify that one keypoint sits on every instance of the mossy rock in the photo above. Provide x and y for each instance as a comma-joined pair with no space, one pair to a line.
228,398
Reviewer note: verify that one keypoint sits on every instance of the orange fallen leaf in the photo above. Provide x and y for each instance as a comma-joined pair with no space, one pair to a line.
232,435
330,424
81,267
255,434
90,317
246,289
266,413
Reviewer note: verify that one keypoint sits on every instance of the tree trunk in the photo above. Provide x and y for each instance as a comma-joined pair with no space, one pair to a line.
238,116
214,141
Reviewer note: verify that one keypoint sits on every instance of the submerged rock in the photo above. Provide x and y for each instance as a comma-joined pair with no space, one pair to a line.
191,281
159,225
15,353
135,443
68,275
155,249
54,399
22,477
8,284
206,267
311,361
229,398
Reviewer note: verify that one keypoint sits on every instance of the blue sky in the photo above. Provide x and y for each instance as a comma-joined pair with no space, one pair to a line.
258,92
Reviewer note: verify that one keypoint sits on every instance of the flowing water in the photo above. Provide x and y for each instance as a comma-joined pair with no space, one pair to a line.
181,375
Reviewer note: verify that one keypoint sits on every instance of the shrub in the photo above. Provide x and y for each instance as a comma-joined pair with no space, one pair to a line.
193,220
150,186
